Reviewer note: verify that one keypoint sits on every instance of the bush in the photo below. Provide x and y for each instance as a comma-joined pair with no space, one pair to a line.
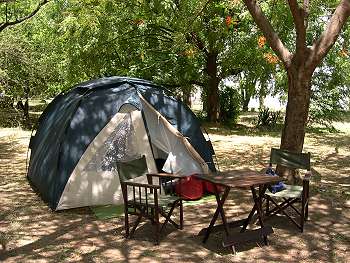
230,104
267,118
201,115
6,102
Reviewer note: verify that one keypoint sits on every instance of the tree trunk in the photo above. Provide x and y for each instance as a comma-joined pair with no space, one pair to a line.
261,101
186,96
262,94
26,110
246,95
213,88
299,92
293,134
245,100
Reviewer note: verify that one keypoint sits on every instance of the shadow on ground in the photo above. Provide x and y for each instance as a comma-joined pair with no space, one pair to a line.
30,231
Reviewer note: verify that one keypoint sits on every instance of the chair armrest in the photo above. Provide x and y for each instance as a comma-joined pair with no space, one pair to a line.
166,175
151,186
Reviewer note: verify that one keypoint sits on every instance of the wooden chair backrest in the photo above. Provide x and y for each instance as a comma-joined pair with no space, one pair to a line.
290,159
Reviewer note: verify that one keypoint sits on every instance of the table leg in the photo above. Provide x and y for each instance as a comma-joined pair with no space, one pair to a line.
219,209
244,227
258,205
222,212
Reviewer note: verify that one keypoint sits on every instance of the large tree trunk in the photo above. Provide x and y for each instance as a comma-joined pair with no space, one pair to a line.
245,99
293,134
299,92
213,88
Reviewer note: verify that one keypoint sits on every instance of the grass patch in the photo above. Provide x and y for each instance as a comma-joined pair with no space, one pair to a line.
149,253
107,211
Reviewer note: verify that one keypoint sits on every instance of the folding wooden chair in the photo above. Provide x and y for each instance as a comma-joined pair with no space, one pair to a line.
146,199
293,194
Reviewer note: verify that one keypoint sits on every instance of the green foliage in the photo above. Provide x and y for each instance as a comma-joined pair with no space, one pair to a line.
15,12
72,41
230,105
268,118
330,89
19,75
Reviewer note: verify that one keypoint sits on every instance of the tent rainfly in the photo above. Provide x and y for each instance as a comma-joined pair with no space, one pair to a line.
83,133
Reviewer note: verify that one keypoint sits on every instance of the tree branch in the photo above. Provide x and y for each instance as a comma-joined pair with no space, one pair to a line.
300,25
228,72
197,15
178,85
321,47
154,35
271,36
193,38
306,12
18,21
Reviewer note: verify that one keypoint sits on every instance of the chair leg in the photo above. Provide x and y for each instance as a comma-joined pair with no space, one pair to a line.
307,210
303,210
181,215
302,220
167,218
126,210
282,208
307,203
126,223
267,206
138,220
156,222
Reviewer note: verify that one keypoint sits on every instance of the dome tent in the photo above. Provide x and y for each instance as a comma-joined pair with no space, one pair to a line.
84,132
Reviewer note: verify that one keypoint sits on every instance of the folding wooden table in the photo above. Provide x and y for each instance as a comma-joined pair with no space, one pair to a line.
243,180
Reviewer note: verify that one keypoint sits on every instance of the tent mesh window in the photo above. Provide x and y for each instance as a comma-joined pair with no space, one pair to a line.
119,146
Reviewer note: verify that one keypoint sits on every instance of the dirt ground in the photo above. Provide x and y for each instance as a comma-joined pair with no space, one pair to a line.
31,232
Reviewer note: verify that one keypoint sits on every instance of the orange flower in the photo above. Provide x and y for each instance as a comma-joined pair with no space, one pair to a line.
261,41
189,53
228,21
344,53
138,22
270,58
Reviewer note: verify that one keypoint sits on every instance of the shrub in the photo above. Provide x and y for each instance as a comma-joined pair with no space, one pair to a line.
230,104
267,118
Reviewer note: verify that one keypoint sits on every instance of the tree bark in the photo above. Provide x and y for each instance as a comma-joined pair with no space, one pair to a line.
297,111
299,93
213,87
24,108
262,94
246,94
186,96
245,99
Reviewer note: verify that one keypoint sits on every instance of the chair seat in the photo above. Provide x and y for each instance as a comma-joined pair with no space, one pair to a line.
291,191
164,201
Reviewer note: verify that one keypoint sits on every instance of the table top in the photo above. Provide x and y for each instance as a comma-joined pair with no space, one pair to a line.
240,178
